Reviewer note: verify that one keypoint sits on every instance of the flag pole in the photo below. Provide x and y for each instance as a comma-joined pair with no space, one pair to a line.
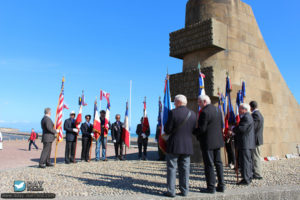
76,137
91,145
63,80
130,88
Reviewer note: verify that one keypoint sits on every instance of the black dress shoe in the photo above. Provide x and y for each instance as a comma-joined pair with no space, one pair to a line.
220,189
243,182
67,162
182,194
257,177
49,165
168,194
42,166
209,191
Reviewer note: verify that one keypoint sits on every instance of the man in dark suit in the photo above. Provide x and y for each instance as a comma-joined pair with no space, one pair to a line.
116,135
47,139
258,131
209,134
179,128
245,143
71,132
142,140
86,130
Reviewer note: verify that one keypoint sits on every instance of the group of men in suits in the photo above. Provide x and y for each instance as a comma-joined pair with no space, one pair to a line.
182,123
86,129
248,136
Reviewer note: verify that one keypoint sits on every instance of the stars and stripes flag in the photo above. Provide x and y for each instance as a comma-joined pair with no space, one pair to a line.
59,113
97,124
126,133
145,124
167,106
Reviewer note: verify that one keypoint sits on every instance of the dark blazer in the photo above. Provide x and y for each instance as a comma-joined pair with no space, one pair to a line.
139,131
245,138
209,131
258,127
180,139
68,127
116,131
48,129
86,130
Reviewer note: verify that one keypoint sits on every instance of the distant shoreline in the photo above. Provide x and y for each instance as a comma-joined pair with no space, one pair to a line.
16,132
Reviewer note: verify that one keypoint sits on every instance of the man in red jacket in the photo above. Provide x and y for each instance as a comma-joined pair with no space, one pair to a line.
31,140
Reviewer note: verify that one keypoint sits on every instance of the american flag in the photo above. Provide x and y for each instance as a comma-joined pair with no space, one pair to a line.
59,113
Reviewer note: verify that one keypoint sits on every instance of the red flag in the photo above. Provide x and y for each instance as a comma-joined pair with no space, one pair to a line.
79,116
145,119
97,124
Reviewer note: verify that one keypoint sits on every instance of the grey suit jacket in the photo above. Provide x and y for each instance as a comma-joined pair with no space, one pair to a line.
258,127
48,129
245,138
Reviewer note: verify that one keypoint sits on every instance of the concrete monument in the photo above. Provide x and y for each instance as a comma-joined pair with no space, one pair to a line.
223,36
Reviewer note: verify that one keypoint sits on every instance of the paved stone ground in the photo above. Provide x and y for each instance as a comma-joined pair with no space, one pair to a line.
134,179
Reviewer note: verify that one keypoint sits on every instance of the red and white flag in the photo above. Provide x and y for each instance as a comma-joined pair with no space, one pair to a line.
145,124
126,133
97,124
105,95
59,113
79,116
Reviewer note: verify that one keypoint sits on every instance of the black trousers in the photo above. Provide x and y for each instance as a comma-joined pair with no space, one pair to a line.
119,145
230,152
45,155
143,146
85,152
30,143
245,164
212,158
70,151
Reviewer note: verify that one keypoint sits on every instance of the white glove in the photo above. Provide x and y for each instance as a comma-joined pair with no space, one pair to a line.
92,135
57,130
114,141
144,135
75,130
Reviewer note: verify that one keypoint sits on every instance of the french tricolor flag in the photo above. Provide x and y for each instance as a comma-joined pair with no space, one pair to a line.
97,124
126,133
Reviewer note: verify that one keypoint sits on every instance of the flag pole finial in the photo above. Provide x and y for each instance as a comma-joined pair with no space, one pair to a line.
227,73
199,65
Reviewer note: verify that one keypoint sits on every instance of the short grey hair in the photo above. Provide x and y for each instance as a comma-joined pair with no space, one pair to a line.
205,98
118,115
181,98
47,111
245,106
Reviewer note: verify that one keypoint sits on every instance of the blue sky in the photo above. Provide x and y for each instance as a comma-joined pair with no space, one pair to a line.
105,44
